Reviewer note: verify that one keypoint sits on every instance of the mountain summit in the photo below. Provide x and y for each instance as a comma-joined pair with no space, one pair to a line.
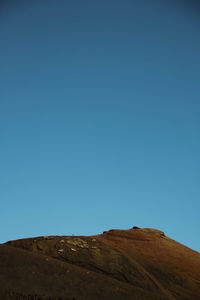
118,264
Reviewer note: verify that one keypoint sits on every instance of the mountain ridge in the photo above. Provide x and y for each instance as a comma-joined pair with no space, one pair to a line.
118,264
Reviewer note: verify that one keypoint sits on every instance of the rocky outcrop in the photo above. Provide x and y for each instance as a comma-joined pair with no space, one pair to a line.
119,264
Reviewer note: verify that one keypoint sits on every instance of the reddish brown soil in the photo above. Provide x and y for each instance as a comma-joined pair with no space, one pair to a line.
119,264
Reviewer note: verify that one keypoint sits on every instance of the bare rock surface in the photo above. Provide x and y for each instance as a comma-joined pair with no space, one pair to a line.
118,264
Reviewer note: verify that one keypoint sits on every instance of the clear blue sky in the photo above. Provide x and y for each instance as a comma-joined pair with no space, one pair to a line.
99,117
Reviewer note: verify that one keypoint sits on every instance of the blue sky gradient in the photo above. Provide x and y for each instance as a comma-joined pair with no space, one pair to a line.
99,117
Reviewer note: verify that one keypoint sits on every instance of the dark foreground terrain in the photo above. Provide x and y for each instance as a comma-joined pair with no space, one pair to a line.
119,264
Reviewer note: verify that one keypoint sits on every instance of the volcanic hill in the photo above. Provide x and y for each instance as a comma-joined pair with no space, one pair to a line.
133,264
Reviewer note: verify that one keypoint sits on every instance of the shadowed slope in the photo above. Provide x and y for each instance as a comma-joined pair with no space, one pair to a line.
26,275
119,264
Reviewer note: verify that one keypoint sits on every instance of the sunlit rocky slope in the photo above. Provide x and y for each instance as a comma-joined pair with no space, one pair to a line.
118,264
